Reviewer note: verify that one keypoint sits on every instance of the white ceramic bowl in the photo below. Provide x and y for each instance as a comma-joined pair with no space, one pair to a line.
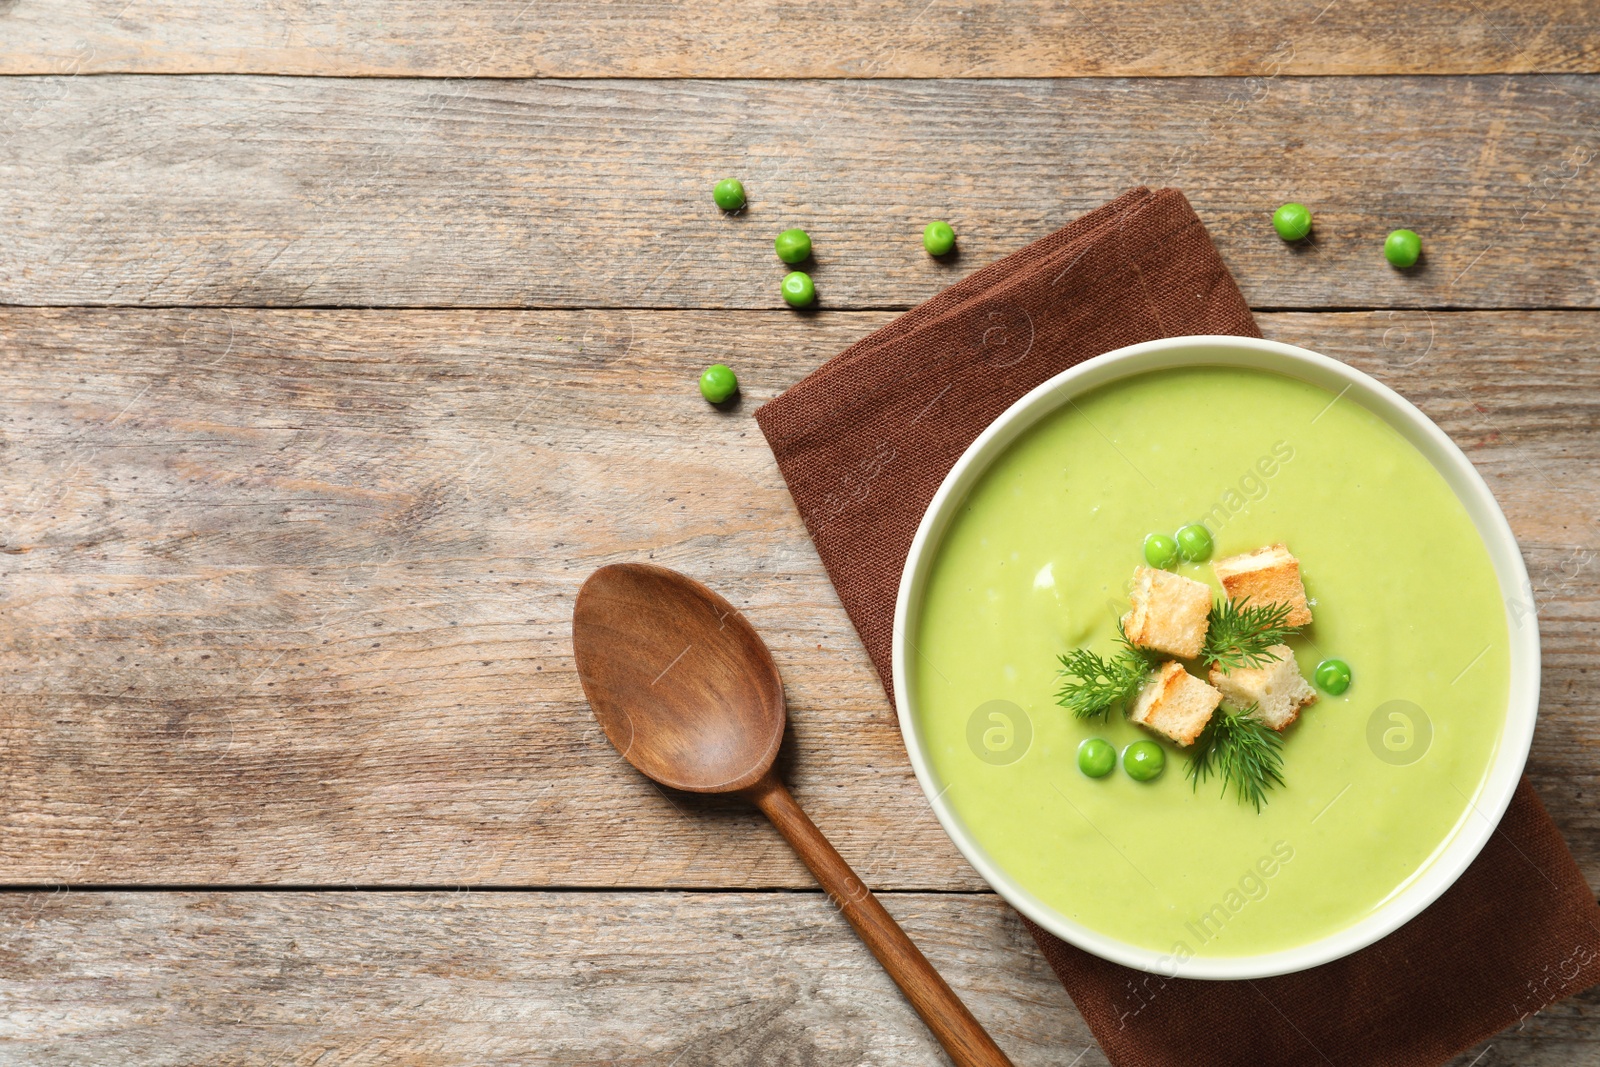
1522,709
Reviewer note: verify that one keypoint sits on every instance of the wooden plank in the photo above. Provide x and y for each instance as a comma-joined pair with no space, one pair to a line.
284,595
328,192
431,979
487,979
855,39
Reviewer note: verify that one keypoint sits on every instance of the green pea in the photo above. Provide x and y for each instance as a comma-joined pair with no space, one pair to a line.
1401,248
1194,543
729,194
1292,221
798,290
1096,757
1333,676
1144,760
718,383
793,246
1160,550
938,238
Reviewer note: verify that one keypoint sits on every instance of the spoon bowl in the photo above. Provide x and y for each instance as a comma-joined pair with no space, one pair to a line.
682,684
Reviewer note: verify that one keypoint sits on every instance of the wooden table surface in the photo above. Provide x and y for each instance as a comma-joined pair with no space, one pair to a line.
340,342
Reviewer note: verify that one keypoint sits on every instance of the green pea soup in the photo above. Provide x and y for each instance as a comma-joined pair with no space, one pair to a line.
1037,560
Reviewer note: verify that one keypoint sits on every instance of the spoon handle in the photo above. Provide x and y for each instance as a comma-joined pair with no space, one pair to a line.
962,1036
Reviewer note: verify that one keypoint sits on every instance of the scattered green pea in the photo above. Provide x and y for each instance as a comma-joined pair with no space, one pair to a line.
729,194
1401,248
1144,760
718,383
798,290
1333,676
1160,550
1292,221
1194,543
938,238
793,246
1096,757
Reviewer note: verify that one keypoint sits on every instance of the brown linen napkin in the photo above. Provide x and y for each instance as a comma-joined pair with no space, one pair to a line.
864,443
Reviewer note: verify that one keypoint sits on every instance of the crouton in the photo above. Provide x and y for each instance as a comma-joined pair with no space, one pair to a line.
1276,689
1175,703
1168,614
1269,575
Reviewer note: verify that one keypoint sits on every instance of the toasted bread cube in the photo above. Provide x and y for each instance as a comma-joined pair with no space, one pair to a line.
1169,613
1278,690
1175,703
1269,575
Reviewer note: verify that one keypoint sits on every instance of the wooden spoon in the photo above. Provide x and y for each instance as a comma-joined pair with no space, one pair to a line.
687,691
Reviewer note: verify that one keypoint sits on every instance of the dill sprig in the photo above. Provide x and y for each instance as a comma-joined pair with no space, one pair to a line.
1091,684
1241,750
1241,634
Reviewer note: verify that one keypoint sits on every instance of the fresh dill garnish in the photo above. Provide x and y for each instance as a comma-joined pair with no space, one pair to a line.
1241,750
1130,648
1241,634
1091,684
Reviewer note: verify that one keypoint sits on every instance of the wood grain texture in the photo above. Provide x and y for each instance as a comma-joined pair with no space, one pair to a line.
485,979
331,192
491,979
285,595
770,39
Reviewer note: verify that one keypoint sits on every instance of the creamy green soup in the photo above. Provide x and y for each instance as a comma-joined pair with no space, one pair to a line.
1037,562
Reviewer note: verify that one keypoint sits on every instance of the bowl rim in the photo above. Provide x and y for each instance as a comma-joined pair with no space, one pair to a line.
1469,834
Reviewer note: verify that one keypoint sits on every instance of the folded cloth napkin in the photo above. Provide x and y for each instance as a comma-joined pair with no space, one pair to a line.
864,443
